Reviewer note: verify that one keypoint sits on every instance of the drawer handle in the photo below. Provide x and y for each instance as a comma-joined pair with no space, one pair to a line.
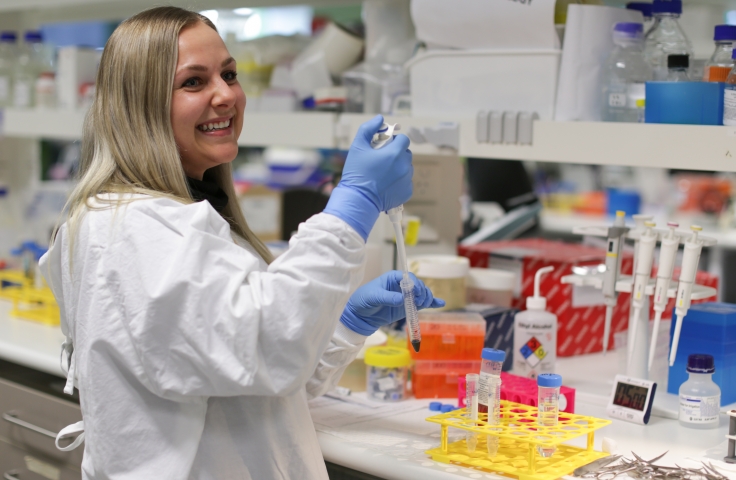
13,418
11,475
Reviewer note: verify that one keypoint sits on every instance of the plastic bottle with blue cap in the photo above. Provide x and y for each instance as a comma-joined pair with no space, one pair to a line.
666,37
489,391
548,405
535,335
700,397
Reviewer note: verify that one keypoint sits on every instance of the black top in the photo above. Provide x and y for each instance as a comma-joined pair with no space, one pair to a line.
206,189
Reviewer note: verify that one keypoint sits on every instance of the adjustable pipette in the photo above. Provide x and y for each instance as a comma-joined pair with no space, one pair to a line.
690,259
384,135
665,267
643,269
613,267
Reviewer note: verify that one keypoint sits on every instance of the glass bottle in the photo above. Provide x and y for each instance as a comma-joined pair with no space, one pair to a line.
720,63
666,37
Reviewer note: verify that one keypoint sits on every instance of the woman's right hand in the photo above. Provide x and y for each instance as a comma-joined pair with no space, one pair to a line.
373,181
383,175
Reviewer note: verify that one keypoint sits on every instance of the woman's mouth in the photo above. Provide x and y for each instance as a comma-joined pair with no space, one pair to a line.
214,126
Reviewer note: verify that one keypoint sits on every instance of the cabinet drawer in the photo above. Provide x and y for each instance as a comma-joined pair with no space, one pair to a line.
16,463
39,410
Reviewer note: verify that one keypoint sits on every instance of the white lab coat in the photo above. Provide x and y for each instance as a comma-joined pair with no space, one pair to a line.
194,359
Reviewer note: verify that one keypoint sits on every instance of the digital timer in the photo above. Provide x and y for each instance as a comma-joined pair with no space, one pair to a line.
631,399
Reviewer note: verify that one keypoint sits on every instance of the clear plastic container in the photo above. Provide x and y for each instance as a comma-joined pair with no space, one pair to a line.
548,405
677,68
489,391
625,75
490,286
450,336
721,62
8,54
666,37
387,373
445,276
700,396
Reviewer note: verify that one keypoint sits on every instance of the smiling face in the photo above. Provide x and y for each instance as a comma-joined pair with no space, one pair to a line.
207,103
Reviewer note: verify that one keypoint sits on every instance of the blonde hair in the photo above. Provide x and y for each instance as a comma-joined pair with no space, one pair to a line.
128,141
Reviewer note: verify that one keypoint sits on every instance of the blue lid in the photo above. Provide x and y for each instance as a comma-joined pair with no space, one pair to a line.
447,408
3,190
644,7
667,6
549,380
630,28
9,37
700,363
33,37
493,355
435,406
724,32
733,54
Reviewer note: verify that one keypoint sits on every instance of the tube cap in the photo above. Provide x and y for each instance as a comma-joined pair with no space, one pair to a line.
493,355
700,363
387,357
678,61
8,37
644,7
667,6
435,406
549,380
447,408
724,32
33,37
630,28
733,54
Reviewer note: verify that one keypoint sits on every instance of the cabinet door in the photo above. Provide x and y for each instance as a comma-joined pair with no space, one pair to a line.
26,413
18,464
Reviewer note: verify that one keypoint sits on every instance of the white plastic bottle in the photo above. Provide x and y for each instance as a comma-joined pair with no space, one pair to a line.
535,335
625,75
666,37
700,397
8,54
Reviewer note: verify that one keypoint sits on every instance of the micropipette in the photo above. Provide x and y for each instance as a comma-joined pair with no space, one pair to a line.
380,139
690,259
616,235
665,267
643,269
471,401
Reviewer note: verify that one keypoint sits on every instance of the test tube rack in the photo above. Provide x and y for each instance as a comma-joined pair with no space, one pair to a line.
519,435
29,302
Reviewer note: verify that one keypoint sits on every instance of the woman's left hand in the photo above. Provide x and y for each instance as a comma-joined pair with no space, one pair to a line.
380,302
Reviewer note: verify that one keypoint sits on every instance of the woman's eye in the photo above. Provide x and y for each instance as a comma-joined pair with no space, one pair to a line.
191,82
230,76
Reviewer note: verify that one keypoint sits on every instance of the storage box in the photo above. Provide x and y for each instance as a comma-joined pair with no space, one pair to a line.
462,82
438,378
690,103
499,329
708,328
450,336
580,310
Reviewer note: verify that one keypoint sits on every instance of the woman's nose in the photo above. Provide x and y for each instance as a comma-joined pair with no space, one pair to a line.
223,95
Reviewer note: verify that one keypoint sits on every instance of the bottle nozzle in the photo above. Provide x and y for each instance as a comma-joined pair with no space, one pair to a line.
538,302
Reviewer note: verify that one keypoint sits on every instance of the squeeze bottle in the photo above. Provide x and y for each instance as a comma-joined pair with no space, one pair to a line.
535,335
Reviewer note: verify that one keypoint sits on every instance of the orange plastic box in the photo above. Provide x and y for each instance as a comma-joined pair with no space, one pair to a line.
438,378
450,336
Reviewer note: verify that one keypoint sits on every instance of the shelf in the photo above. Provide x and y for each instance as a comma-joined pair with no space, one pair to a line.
689,147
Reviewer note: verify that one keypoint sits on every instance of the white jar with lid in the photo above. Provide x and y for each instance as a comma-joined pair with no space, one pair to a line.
444,275
490,286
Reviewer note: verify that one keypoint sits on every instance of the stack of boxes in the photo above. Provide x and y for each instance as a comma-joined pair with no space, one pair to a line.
451,346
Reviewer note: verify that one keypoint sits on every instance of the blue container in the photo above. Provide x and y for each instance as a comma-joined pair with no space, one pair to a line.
708,328
685,103
624,200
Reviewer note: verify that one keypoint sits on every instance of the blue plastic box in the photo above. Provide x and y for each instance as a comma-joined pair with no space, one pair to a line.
687,103
708,328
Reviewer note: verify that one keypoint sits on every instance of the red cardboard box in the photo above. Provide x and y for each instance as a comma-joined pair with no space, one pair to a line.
580,310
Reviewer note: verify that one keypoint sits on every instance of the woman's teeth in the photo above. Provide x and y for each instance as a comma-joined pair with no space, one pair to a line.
214,126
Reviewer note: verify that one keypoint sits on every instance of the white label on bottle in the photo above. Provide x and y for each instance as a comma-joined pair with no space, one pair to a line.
729,105
699,409
535,348
22,93
636,94
4,89
617,99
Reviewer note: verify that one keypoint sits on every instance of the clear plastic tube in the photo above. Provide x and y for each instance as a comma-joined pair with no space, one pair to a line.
471,400
494,412
407,286
548,406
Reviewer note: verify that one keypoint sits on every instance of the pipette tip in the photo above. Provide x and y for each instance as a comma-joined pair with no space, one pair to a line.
416,344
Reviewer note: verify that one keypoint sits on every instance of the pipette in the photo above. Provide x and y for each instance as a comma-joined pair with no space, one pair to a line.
471,401
665,267
613,267
380,139
644,257
690,259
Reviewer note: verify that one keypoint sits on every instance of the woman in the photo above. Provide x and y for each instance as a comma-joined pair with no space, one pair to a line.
195,357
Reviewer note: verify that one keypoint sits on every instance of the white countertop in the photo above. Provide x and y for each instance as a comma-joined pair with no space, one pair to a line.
393,447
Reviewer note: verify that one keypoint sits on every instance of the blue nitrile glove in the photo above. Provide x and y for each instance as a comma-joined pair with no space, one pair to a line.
373,180
380,302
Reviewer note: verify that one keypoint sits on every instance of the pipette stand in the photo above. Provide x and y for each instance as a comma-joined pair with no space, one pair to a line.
638,366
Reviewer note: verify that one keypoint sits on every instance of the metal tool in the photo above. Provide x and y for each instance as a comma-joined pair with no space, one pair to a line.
595,465
646,470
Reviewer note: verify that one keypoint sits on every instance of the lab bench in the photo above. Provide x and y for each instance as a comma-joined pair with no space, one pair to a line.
383,448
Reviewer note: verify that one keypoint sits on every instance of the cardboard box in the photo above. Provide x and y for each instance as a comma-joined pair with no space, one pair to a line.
580,310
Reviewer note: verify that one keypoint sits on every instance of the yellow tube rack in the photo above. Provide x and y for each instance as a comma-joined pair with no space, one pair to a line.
29,302
518,436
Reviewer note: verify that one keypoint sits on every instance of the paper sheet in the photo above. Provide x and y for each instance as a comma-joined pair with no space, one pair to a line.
486,24
332,413
588,43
